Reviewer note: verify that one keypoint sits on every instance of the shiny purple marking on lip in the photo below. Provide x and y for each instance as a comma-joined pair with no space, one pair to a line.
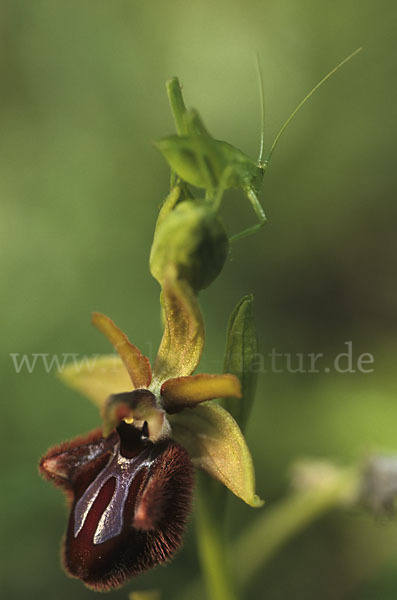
124,471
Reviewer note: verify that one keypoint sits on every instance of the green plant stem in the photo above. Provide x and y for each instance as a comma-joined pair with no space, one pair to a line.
211,547
268,533
257,544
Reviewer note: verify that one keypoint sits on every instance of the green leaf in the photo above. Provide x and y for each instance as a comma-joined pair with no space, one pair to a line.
183,339
215,444
240,355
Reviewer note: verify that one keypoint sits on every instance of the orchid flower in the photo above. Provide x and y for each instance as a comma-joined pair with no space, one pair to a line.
129,484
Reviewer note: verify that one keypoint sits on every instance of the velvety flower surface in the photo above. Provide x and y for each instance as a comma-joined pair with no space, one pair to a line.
129,484
129,497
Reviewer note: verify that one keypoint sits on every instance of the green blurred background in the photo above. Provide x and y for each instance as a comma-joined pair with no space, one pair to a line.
82,96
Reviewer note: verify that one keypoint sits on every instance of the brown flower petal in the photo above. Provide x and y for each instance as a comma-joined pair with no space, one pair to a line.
136,363
187,392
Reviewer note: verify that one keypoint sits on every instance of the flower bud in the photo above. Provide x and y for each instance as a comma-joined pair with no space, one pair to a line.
193,240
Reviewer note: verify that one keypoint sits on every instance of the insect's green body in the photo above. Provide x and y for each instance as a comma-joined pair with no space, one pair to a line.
199,159
202,163
205,162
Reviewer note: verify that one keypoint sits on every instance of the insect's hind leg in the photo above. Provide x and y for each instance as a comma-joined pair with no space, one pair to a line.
260,213
222,187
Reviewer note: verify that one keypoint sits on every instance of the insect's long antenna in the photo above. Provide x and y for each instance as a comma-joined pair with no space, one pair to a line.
262,106
305,99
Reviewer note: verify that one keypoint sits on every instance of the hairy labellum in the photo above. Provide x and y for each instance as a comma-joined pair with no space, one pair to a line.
129,497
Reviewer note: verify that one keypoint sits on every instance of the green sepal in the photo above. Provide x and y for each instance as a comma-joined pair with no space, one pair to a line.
240,357
216,445
97,377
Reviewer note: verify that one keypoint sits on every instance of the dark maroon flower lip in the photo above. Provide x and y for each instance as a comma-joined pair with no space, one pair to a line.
130,500
123,470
